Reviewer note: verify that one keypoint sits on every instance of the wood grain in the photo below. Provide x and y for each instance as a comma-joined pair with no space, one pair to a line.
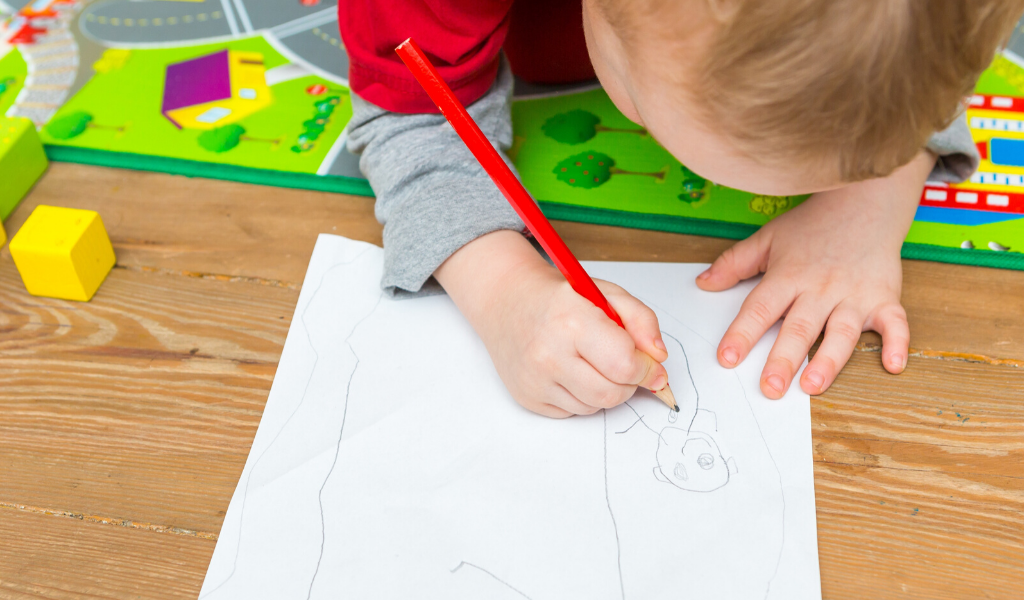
919,481
56,558
138,405
124,422
201,226
140,429
178,223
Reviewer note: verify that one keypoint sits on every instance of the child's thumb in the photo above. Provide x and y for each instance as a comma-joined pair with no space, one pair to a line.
640,322
655,376
743,260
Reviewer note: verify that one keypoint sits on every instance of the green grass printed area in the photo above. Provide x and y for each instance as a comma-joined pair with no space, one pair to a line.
536,156
125,107
12,77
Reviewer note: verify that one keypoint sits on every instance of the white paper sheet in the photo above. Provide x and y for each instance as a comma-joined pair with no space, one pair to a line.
392,463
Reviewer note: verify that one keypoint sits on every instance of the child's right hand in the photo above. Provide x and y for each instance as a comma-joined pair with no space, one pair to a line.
558,354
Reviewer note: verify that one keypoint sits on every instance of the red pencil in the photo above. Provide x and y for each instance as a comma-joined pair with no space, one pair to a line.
509,184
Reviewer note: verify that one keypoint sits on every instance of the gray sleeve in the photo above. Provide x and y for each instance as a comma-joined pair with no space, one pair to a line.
432,195
958,156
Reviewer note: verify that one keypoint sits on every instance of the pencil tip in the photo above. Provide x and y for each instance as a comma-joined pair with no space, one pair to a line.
665,395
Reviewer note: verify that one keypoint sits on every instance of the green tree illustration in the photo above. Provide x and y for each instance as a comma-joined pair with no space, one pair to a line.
74,124
222,139
590,169
694,186
578,126
7,83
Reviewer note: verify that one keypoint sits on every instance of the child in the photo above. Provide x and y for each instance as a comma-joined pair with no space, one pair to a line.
841,99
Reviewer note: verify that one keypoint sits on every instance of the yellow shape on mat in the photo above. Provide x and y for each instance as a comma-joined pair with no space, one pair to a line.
62,253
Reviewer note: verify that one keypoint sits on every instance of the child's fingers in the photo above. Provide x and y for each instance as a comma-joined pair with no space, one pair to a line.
550,410
591,388
841,336
891,322
612,352
743,260
762,308
799,331
640,321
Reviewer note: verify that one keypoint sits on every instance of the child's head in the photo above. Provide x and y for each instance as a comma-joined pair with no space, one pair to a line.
793,96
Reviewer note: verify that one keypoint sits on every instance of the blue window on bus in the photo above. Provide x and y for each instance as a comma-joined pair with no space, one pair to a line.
1006,152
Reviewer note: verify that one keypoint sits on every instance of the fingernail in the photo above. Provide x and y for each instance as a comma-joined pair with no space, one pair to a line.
816,379
898,360
659,383
730,355
660,345
775,382
705,274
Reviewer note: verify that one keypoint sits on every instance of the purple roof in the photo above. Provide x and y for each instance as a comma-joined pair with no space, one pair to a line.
197,81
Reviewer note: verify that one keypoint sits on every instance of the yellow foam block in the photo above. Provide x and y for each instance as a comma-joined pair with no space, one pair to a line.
62,253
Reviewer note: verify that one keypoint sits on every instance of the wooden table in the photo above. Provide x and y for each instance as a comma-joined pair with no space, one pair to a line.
125,421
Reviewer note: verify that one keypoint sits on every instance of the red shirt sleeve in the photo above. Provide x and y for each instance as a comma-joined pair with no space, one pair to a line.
461,37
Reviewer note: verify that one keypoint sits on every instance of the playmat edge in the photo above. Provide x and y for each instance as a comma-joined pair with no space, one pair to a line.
193,168
553,210
739,231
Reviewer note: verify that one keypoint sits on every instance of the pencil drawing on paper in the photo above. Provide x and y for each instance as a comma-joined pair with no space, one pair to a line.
623,491
690,458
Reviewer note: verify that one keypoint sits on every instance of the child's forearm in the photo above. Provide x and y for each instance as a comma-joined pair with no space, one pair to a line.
897,194
487,271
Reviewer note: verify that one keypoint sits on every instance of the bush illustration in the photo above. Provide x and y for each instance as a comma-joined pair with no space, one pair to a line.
326,106
578,126
225,138
770,205
590,169
74,124
694,186
315,126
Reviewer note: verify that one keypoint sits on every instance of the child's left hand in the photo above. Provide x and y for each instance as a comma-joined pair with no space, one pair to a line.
832,263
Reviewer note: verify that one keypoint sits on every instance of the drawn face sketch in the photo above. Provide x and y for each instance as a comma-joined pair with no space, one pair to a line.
690,461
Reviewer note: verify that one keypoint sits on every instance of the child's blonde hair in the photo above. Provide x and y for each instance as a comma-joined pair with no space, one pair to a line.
870,80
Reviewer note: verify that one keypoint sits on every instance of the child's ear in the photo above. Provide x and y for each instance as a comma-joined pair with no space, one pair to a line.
660,476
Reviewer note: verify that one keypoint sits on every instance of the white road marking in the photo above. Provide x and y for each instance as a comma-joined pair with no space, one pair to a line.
243,15
337,148
229,13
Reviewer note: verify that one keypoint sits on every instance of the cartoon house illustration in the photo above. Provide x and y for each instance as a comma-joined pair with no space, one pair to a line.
215,90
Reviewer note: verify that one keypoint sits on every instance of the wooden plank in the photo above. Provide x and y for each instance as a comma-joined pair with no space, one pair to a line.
919,481
109,414
138,408
185,225
55,558
180,224
140,404
884,535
